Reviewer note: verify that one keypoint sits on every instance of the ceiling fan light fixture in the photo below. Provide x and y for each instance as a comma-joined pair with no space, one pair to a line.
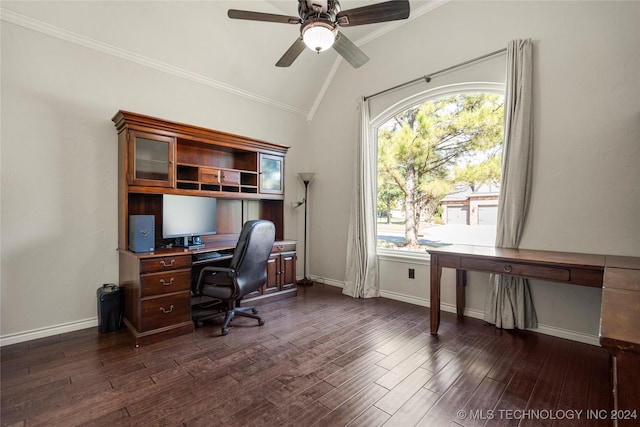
319,21
319,36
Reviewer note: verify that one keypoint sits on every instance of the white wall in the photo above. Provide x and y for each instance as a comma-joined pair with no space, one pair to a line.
586,191
59,168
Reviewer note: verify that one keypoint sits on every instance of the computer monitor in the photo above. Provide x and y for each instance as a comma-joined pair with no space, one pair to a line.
188,217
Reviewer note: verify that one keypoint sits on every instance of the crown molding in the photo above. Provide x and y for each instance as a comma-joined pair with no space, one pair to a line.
80,40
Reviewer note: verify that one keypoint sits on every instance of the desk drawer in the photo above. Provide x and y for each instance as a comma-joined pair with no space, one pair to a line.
229,177
166,282
209,176
622,278
284,246
154,265
515,269
166,311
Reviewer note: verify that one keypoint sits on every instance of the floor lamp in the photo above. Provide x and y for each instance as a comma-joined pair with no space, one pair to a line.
306,177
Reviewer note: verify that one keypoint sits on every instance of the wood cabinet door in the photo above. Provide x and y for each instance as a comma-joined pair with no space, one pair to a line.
230,177
271,174
288,269
209,176
273,274
151,160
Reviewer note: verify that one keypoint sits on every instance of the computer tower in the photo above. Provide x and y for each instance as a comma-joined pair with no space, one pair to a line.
142,233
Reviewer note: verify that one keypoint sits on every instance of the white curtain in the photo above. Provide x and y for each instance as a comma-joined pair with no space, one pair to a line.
509,303
361,276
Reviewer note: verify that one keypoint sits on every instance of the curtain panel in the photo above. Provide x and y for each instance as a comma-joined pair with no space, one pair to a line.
361,276
509,304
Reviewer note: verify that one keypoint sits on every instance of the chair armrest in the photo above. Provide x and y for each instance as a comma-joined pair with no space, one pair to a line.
210,270
216,269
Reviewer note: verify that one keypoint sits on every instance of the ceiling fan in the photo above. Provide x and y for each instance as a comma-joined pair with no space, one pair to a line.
319,21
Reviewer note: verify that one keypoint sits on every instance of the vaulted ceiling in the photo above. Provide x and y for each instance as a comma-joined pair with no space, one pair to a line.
196,40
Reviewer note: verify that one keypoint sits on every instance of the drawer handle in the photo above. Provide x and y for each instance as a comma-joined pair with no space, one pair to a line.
508,268
164,264
167,283
162,309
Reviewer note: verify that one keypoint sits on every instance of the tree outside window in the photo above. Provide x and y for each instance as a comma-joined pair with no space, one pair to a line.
439,167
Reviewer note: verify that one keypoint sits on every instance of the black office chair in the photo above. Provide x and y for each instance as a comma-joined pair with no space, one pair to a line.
246,273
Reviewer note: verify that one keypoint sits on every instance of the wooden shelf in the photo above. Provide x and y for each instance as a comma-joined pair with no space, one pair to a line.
200,162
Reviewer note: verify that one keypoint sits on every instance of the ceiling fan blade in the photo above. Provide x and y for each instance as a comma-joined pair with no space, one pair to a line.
264,17
349,51
292,53
381,12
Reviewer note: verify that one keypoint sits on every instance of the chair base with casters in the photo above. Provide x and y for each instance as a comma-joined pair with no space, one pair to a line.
206,310
229,309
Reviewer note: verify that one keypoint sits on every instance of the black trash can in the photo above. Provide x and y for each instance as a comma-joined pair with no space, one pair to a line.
110,303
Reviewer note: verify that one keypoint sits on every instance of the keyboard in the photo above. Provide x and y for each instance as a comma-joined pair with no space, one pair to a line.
203,256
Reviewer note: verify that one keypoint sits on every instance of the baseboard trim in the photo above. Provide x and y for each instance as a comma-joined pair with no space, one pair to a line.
407,298
450,308
48,331
324,280
567,334
478,314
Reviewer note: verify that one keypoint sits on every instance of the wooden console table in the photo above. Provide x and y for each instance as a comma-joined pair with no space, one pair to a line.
562,267
618,276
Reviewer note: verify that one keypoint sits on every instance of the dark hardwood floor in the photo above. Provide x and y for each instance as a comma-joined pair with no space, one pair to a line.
321,359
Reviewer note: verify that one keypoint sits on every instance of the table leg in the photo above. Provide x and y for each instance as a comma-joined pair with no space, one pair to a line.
436,273
461,283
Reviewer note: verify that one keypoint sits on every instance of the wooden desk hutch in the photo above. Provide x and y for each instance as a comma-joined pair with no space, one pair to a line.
245,175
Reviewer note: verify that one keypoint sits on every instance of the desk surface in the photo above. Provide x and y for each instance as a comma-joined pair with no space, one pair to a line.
528,255
278,246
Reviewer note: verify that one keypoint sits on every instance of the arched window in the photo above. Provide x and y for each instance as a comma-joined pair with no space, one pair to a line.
439,167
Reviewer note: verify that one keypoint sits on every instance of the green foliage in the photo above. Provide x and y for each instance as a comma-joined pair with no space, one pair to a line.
389,195
424,151
487,171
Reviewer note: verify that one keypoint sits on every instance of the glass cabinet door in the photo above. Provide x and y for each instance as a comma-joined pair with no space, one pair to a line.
271,174
151,159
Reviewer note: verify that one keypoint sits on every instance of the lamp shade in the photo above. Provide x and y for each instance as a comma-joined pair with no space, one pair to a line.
318,37
306,176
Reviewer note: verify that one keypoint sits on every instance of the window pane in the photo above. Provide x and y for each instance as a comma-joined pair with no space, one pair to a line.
439,172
